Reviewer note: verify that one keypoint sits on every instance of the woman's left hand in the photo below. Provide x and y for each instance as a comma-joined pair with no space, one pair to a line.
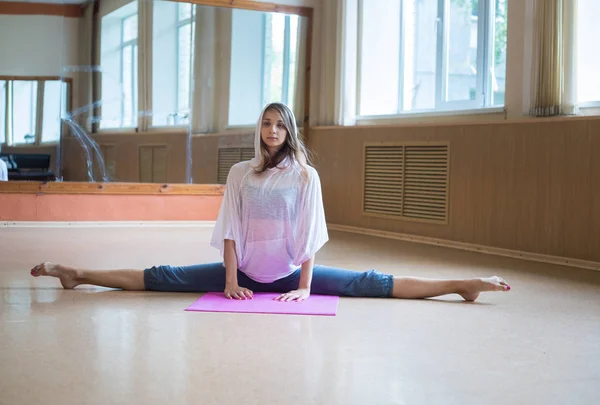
297,295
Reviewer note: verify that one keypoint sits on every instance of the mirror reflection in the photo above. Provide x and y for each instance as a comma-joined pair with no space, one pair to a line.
144,91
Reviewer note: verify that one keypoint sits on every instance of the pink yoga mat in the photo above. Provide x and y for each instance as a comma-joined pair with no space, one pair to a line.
263,303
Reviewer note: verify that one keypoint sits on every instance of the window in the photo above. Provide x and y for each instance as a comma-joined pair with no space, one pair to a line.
53,91
588,31
23,111
173,61
254,81
119,63
22,120
430,55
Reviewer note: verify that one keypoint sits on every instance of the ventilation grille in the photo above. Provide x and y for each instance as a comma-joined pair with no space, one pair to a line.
229,157
153,164
407,181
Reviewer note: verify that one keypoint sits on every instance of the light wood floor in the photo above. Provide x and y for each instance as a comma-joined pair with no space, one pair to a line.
538,344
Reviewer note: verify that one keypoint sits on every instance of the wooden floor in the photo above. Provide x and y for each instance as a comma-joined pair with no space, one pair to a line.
538,344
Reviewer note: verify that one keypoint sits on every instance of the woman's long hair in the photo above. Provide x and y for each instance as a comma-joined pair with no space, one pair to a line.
293,148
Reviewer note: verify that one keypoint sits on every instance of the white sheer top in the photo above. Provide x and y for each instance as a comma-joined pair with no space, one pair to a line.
275,218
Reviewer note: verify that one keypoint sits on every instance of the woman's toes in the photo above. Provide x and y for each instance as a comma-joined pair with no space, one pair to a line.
41,269
504,286
34,272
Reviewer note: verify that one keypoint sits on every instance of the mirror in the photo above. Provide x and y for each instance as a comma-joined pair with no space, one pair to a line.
146,91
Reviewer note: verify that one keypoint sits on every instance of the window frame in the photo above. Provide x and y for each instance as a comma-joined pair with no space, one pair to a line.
485,50
39,113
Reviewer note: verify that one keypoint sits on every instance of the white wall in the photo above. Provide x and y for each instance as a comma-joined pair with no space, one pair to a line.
33,45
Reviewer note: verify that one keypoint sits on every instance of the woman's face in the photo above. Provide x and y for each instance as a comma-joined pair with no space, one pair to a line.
273,132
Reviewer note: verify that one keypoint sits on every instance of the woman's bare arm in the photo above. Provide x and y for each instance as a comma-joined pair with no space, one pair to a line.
232,289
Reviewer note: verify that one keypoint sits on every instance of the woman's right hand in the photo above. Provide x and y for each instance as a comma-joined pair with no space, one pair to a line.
236,292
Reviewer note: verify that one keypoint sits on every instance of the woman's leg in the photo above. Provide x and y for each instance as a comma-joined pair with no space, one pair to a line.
71,277
197,278
334,281
469,289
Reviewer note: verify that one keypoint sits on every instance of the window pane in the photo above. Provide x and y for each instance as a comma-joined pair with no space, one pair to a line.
380,57
401,55
134,76
118,40
274,57
24,105
249,75
184,61
130,28
127,80
461,72
420,54
54,107
498,79
185,11
293,67
3,91
588,58
172,63
165,50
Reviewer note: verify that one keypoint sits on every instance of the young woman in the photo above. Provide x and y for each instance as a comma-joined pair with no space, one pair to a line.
269,228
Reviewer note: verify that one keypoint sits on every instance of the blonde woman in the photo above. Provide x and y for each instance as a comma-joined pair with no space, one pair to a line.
269,228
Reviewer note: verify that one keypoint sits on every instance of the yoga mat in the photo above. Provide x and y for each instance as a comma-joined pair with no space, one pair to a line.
263,303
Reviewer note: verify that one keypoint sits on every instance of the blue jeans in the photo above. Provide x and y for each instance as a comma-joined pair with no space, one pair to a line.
326,281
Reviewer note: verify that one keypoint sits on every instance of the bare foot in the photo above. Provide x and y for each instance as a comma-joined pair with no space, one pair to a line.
479,285
67,277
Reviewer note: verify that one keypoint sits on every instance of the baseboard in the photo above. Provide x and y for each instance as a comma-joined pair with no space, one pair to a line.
106,224
536,257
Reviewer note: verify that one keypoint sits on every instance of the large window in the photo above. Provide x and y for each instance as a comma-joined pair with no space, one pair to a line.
22,119
173,60
588,60
256,81
431,55
119,63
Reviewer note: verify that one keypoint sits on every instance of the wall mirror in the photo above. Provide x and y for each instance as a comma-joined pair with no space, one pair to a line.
147,91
